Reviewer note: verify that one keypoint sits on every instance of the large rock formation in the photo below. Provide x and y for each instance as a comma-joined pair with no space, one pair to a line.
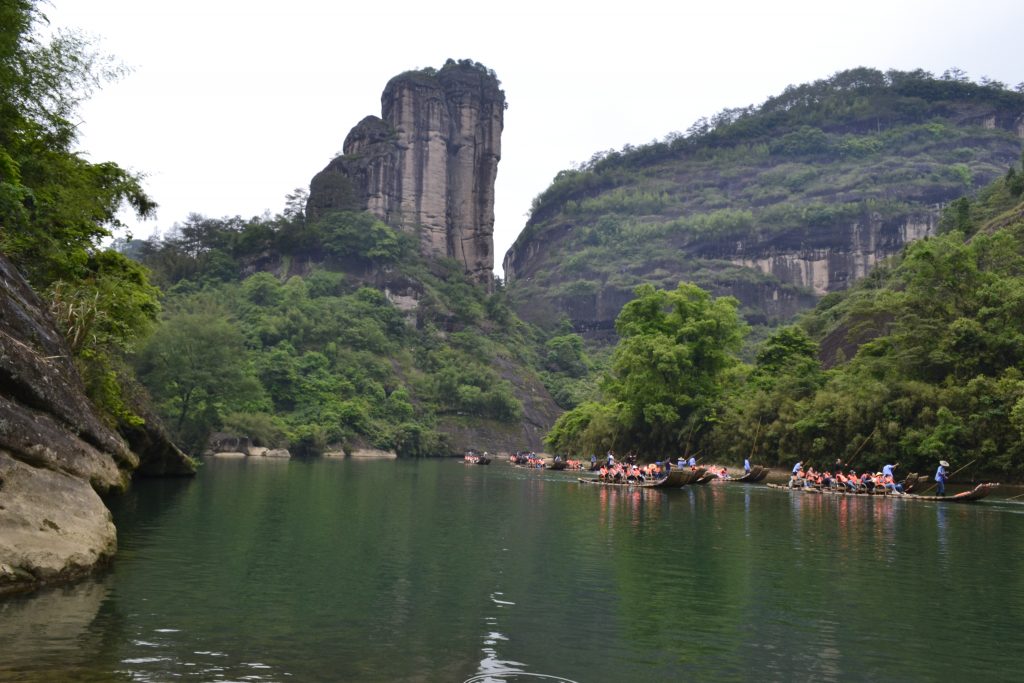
56,455
428,165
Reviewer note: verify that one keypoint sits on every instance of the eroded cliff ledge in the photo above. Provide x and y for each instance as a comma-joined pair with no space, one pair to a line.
427,165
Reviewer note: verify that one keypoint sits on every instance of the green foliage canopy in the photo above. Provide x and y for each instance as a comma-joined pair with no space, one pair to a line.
667,374
934,367
55,206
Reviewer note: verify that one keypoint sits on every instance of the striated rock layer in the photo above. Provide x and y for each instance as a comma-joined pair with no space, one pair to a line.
798,267
427,165
56,455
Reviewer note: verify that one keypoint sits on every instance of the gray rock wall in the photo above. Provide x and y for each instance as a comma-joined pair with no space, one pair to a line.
801,265
56,454
836,258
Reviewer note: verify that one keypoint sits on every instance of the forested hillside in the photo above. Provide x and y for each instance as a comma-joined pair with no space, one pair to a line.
336,334
776,204
920,361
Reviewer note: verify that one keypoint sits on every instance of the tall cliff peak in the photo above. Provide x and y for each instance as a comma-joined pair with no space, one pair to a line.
427,165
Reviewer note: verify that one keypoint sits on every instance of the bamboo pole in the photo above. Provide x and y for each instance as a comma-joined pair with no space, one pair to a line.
857,452
753,446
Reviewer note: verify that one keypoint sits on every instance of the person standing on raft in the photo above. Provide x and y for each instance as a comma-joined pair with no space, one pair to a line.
941,477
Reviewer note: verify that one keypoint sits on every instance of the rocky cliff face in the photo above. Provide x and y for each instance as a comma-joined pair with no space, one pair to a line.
834,258
776,205
428,165
794,268
56,455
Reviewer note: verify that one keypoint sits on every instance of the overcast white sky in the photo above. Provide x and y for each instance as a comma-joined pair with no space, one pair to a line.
234,103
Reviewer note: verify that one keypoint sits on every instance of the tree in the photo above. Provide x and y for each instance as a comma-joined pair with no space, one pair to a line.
788,352
104,315
668,367
54,205
196,365
667,372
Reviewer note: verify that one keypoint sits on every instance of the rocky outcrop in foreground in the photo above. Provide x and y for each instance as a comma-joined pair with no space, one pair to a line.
428,164
56,455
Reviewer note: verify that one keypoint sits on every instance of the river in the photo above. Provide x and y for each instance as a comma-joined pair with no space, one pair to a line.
341,570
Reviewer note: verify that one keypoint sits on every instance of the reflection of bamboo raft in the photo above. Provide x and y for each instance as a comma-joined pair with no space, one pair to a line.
657,484
977,493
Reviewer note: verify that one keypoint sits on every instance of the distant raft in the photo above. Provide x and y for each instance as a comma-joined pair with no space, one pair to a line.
977,493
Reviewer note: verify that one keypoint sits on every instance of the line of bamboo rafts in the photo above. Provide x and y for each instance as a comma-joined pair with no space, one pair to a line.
977,493
678,478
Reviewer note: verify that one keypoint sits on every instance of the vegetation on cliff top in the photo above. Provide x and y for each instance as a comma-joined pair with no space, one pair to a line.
861,146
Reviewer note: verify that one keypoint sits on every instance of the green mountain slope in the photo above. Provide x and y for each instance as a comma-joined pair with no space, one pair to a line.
335,334
777,204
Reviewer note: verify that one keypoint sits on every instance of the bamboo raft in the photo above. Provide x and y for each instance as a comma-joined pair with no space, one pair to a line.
756,475
673,480
977,493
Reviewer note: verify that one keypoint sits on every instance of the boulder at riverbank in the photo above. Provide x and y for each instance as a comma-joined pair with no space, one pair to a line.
56,454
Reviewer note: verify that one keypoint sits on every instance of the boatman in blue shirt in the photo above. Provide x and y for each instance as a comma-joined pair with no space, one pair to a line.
941,477
692,462
746,465
887,470
797,467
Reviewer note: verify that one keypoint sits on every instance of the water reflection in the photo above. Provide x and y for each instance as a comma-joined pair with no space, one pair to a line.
492,666
51,627
942,529
639,504
413,571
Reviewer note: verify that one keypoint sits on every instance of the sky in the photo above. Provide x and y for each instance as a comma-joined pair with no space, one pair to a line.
232,104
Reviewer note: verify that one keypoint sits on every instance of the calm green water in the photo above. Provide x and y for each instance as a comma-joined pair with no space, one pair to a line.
435,571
